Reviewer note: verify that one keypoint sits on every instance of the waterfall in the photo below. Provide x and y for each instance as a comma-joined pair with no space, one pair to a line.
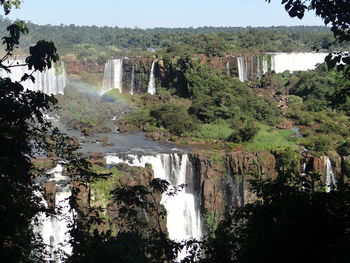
281,62
330,178
242,69
132,84
50,81
183,215
54,229
113,76
228,66
265,65
303,170
234,192
152,81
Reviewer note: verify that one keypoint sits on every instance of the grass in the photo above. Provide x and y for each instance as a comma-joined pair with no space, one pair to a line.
269,138
213,131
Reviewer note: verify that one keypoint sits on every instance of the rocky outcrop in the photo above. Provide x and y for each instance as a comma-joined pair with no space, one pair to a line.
50,190
136,72
318,164
93,198
76,67
223,178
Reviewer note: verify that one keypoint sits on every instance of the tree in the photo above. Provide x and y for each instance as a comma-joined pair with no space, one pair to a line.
140,229
24,134
293,220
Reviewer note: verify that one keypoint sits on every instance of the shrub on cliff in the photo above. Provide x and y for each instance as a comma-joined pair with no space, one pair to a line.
344,149
214,97
245,133
173,117
318,143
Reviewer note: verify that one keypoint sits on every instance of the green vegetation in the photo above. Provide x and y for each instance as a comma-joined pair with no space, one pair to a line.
212,108
269,138
212,131
101,187
96,44
244,133
275,226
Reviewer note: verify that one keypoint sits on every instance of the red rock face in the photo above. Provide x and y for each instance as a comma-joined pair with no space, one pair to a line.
75,67
50,190
225,181
319,165
245,163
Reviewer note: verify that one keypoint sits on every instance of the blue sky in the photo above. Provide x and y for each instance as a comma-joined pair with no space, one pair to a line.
156,13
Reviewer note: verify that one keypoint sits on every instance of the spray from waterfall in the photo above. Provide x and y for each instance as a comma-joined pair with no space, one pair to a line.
152,81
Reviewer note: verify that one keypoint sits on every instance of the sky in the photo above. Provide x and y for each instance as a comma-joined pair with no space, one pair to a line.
157,13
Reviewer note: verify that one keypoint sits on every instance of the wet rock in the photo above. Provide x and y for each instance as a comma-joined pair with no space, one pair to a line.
112,211
105,130
96,155
50,190
75,141
88,132
102,139
108,144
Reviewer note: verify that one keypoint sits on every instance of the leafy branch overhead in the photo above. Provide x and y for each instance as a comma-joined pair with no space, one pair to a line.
8,4
333,12
336,14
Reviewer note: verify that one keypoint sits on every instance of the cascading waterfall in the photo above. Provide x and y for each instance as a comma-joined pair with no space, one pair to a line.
132,84
303,171
234,188
281,62
51,81
228,67
54,229
242,69
183,215
265,65
330,178
152,81
256,66
113,76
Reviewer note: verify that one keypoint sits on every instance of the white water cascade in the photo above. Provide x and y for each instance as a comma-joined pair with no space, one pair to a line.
113,76
242,69
330,178
281,62
256,66
132,84
54,229
228,66
183,215
50,81
152,81
265,65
